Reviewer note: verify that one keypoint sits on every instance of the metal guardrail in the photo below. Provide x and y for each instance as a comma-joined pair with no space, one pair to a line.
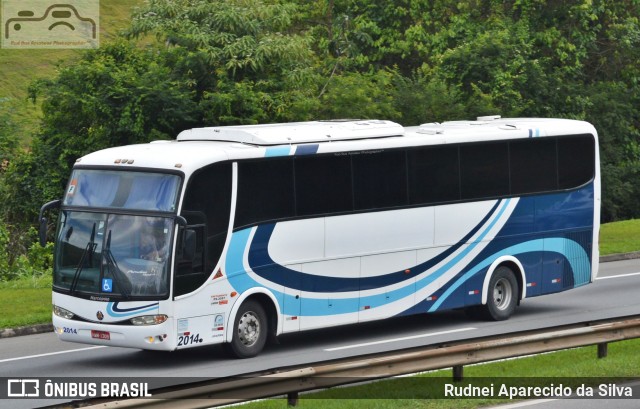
292,381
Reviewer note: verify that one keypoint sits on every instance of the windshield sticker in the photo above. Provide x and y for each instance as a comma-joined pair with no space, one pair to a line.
107,285
72,187
141,272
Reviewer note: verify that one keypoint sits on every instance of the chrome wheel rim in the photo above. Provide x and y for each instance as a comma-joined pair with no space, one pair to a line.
502,294
249,328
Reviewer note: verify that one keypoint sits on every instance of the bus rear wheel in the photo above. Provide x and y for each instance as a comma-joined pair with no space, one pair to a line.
250,330
503,295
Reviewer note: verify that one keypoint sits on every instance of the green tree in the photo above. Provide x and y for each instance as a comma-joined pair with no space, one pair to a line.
612,110
360,96
8,140
116,95
423,98
243,58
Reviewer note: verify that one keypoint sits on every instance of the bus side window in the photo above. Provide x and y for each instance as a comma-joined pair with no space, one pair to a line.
265,191
484,170
379,180
189,263
206,207
434,175
533,165
576,158
191,250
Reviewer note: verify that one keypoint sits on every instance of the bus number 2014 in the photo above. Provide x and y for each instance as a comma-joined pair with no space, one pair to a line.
184,340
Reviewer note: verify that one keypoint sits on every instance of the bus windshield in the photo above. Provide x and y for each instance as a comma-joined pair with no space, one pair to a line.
123,190
112,255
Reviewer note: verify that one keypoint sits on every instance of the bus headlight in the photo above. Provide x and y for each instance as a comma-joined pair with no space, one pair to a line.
149,320
61,312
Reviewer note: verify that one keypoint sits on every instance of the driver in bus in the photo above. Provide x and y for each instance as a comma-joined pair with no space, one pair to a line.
153,246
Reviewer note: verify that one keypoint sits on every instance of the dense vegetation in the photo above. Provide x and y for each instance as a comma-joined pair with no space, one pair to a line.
186,63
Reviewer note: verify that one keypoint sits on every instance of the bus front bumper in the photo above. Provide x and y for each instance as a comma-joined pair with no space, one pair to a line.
158,337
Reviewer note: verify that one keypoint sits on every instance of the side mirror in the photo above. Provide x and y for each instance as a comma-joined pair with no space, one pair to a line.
181,221
42,229
189,244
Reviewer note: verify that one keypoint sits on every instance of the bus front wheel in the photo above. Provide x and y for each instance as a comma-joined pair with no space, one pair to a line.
503,295
250,330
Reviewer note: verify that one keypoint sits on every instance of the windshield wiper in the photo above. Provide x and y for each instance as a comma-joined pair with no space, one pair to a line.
113,268
89,249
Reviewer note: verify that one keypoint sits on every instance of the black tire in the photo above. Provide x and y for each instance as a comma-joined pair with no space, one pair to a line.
250,330
502,296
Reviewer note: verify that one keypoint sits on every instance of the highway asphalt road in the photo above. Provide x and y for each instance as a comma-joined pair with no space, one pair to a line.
614,294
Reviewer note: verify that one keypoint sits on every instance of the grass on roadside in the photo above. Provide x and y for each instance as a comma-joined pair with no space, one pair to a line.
25,301
620,237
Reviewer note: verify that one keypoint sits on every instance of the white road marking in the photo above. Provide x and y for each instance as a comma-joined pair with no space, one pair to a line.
522,404
49,354
618,276
386,341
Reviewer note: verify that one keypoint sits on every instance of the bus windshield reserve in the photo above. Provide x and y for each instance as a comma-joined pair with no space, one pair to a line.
238,234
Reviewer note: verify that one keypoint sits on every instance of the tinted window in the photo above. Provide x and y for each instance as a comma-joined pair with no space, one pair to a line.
576,160
484,170
379,179
323,184
533,165
265,191
434,175
316,185
122,189
208,198
206,206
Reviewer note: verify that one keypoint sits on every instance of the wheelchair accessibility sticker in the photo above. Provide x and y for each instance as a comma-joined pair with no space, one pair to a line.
50,23
107,285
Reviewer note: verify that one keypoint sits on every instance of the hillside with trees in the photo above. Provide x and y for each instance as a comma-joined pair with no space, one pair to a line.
190,63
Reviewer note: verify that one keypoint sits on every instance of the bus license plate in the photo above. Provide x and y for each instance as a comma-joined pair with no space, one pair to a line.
100,335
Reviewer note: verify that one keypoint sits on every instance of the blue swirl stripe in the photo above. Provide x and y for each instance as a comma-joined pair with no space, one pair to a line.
265,267
241,251
562,246
113,310
249,264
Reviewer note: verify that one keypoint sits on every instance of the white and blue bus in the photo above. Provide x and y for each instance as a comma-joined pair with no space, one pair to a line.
238,234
